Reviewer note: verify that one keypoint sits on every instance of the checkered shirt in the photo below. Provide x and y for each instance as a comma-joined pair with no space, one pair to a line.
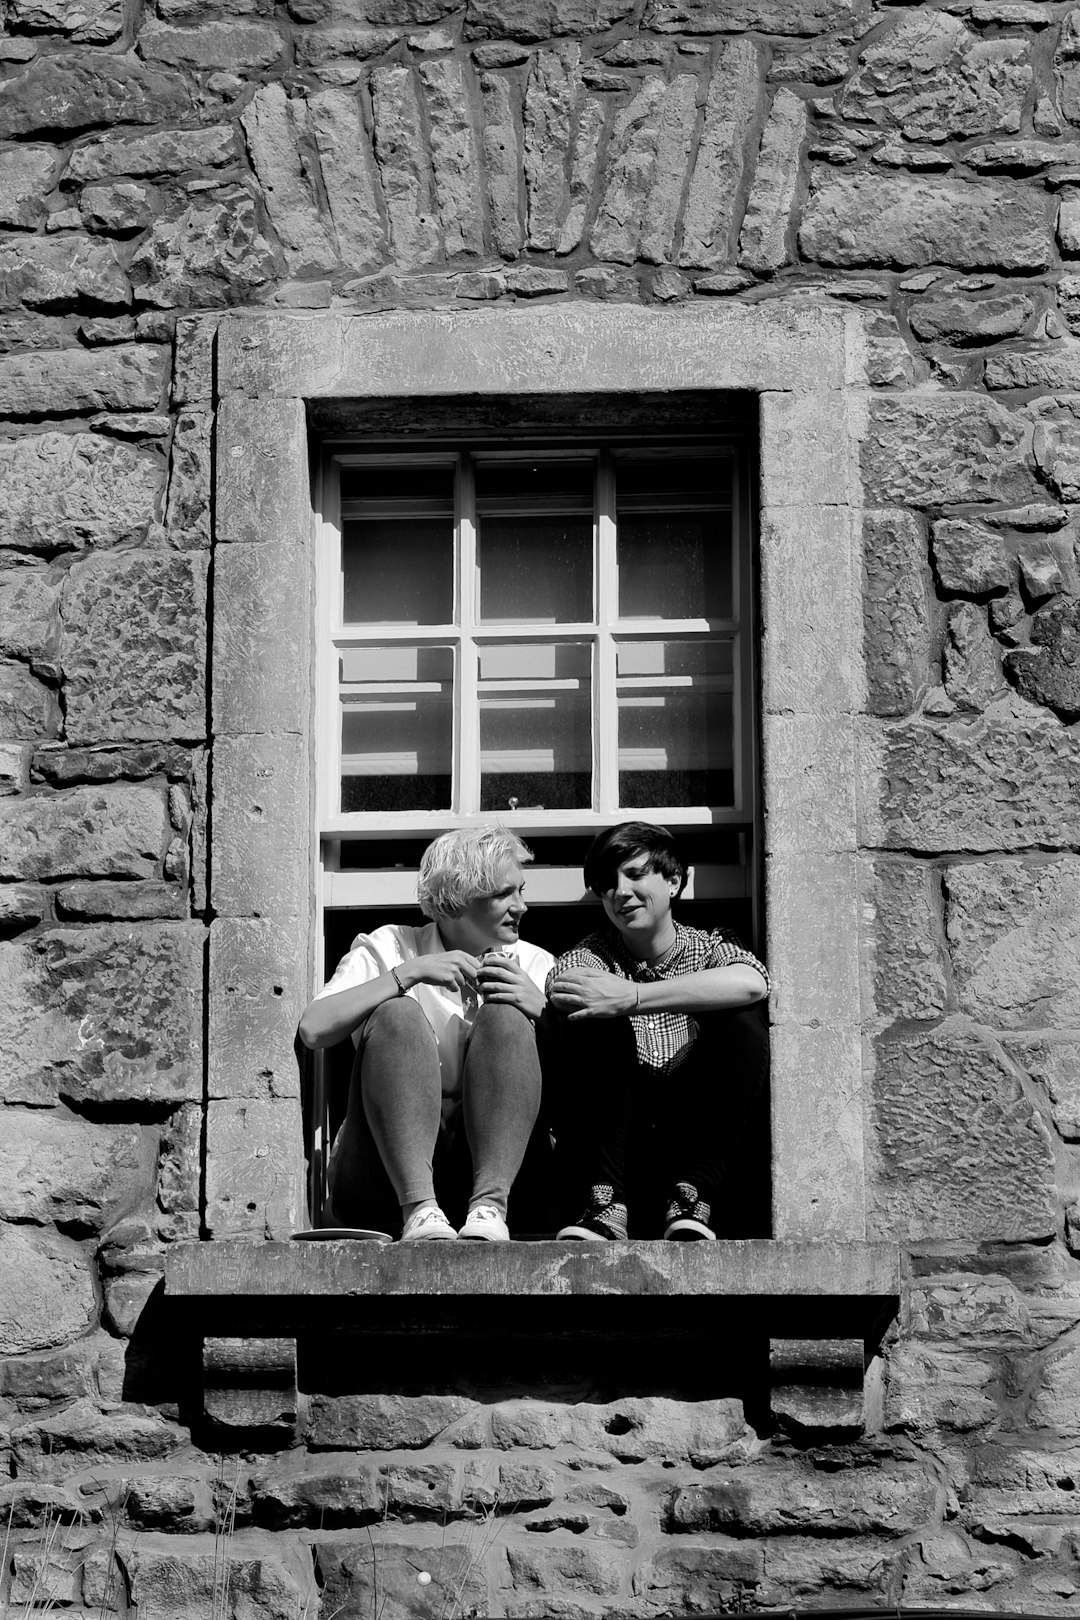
663,1038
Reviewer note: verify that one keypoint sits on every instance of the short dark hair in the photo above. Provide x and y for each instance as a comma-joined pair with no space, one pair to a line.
616,845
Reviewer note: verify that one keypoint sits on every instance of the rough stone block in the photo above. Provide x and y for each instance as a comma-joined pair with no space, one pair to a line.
926,450
66,767
404,167
1046,672
711,197
329,1494
349,177
270,125
959,1150
21,903
769,16
384,1422
44,272
1014,937
27,175
255,1178
256,998
903,957
85,88
103,1014
263,624
633,1430
135,647
29,710
87,832
1008,779
125,377
1053,1062
540,19
502,163
804,1570
48,1296
970,557
813,671
167,1585
709,1579
206,251
260,808
889,1498
1055,1403
247,47
896,614
974,321
454,155
86,1435
170,1503
187,510
169,152
64,491
354,1578
971,672
127,1298
865,220
71,1172
14,771
931,78
122,902
30,616
930,1388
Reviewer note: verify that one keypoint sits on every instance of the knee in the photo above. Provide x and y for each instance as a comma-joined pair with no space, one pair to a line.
496,1018
399,1014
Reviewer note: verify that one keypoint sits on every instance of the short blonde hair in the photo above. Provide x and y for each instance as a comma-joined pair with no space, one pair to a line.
460,867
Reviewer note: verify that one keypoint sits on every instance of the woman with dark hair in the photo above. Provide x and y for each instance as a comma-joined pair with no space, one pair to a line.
665,1052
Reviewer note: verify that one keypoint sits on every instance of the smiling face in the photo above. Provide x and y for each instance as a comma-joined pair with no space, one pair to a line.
639,905
491,921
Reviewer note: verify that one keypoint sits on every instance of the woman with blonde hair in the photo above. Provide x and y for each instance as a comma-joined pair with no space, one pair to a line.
446,1080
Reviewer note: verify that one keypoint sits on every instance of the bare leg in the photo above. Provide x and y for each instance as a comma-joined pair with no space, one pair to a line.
501,1100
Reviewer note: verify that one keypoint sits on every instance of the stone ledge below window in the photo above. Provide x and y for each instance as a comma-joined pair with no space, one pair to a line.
820,1307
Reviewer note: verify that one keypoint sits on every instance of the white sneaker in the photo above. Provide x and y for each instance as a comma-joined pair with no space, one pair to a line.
486,1224
427,1225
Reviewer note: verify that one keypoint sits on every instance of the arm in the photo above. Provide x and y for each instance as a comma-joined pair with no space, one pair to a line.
583,992
330,1018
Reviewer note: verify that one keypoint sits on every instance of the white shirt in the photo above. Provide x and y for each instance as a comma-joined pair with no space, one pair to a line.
449,1013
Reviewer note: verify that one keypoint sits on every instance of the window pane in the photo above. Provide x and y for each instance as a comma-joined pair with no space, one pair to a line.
397,545
674,537
535,726
676,724
535,528
396,728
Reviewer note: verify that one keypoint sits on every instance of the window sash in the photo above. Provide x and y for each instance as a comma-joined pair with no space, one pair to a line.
467,636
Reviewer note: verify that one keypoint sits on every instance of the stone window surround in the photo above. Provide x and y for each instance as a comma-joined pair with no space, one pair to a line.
804,362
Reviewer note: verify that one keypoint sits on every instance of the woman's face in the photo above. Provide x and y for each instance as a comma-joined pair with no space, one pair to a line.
639,901
492,921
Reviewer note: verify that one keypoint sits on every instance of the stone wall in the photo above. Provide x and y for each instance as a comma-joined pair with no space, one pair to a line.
165,162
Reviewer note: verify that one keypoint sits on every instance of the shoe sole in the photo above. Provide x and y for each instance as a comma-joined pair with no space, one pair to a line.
483,1237
583,1235
689,1231
431,1237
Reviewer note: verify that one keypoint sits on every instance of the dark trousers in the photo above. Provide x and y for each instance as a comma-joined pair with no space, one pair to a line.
618,1122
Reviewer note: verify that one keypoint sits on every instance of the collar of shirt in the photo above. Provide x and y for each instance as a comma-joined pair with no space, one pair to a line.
636,969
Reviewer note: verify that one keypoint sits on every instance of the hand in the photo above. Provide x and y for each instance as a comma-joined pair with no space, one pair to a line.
503,980
591,993
454,970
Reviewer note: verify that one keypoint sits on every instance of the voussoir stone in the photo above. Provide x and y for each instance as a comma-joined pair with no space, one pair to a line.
942,449
541,19
1014,937
864,219
1008,779
890,1499
931,78
48,1294
1049,670
205,251
959,1151
124,377
70,1171
134,651
76,92
104,1013
768,16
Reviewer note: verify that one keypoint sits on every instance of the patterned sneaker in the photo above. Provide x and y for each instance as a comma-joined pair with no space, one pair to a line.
427,1225
687,1217
486,1225
603,1222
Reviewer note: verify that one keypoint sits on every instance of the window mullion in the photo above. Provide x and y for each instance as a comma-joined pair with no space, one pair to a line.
467,715
605,714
